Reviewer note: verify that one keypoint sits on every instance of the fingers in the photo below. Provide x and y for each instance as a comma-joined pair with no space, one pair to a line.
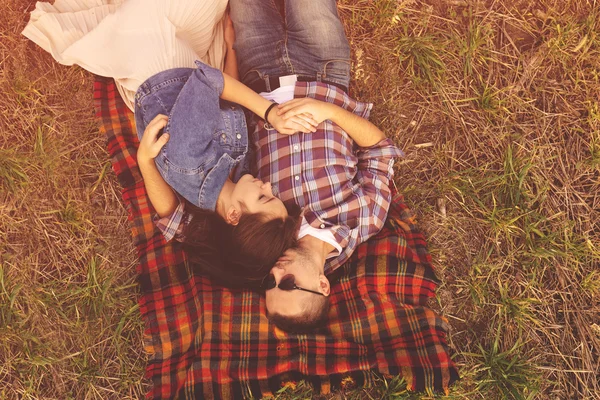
156,147
291,127
154,127
288,105
160,118
301,124
295,112
309,118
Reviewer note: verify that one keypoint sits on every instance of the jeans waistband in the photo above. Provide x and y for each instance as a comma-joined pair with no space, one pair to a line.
260,85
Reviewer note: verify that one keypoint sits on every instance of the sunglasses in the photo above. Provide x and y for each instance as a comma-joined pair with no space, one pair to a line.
287,283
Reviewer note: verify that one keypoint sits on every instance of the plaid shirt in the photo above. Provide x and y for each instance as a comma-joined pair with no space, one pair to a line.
341,186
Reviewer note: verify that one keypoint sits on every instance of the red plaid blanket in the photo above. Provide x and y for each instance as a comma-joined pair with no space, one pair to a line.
205,341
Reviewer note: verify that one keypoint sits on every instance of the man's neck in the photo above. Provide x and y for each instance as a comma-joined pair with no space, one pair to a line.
317,246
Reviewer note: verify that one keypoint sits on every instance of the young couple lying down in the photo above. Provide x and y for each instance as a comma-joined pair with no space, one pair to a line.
268,173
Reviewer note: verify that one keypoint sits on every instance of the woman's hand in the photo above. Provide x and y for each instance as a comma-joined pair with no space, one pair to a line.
317,110
151,144
297,123
229,32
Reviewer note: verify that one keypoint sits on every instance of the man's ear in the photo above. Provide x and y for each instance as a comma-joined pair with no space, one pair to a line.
233,216
324,286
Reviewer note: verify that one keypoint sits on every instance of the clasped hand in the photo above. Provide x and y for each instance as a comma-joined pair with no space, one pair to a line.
302,115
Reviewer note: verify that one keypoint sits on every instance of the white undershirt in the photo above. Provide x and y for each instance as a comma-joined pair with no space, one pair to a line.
281,94
325,235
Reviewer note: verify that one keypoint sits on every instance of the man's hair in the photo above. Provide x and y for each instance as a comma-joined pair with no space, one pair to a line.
314,315
238,256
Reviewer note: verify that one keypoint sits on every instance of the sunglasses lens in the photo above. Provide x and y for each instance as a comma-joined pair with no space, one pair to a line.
288,282
269,282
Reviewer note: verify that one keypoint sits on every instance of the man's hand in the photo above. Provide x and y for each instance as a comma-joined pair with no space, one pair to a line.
296,123
364,133
151,144
319,111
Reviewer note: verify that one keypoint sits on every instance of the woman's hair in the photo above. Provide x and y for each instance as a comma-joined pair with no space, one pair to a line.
238,256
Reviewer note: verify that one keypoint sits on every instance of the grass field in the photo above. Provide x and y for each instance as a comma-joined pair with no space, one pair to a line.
497,105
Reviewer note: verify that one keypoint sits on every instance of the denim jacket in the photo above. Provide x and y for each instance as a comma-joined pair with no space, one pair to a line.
208,136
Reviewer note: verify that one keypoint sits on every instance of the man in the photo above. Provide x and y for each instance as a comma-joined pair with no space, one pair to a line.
295,52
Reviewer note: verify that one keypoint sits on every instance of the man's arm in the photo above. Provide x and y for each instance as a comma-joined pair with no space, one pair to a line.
363,132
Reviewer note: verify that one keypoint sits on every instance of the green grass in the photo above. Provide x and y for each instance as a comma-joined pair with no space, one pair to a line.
420,58
496,105
504,373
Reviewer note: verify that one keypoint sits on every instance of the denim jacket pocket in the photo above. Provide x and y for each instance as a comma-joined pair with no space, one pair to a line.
230,145
172,167
221,137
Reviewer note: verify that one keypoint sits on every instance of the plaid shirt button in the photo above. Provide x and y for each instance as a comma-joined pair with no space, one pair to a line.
322,226
297,177
296,147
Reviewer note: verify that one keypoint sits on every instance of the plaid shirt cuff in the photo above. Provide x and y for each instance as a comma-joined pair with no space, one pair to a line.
384,149
172,226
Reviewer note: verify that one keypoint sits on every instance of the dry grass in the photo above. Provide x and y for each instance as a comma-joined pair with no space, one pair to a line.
497,106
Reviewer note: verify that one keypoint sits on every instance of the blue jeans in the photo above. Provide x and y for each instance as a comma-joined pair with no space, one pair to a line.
308,41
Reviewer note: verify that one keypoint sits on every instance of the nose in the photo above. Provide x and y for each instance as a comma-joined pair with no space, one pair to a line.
277,270
267,188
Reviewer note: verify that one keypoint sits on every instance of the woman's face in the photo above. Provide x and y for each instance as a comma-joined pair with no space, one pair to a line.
257,197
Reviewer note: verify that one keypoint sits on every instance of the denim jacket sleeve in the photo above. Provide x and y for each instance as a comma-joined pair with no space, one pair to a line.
212,76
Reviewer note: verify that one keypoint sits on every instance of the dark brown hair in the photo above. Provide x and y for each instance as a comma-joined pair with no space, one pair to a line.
238,256
314,316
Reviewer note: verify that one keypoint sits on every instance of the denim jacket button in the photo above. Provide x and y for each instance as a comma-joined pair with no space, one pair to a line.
238,136
223,135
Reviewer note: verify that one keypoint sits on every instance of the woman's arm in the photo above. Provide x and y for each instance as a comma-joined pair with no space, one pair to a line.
363,132
237,92
160,193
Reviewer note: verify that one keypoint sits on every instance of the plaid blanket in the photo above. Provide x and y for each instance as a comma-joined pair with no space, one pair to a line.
205,341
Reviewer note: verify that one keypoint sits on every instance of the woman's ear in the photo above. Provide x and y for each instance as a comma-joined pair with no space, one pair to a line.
324,286
233,216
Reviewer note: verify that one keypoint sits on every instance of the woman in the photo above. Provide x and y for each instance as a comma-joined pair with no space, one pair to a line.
233,217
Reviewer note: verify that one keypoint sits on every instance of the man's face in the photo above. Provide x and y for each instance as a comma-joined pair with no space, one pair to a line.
304,266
